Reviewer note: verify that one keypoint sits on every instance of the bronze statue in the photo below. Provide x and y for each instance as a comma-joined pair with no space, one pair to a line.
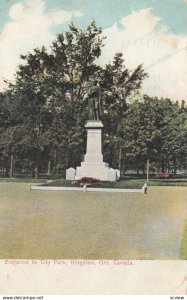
95,110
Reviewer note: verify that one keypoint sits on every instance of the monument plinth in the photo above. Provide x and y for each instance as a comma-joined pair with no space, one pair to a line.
94,142
93,165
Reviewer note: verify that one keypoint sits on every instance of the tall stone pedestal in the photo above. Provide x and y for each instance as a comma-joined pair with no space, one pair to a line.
93,165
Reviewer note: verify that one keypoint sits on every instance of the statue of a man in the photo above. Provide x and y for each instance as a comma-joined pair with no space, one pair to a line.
95,110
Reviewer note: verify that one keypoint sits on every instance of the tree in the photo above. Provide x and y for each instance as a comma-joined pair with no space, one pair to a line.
142,135
174,148
50,87
118,85
48,98
154,129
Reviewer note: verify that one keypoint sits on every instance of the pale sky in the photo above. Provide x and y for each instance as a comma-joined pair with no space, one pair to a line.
148,32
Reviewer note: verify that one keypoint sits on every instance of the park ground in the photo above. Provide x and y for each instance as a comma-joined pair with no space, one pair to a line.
56,224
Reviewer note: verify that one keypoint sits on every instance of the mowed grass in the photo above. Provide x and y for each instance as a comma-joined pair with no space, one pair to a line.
184,242
77,225
168,182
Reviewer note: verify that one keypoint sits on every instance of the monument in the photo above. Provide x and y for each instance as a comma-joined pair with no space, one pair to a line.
93,165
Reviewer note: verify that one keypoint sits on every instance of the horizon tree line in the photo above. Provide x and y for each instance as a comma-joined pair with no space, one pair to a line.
42,114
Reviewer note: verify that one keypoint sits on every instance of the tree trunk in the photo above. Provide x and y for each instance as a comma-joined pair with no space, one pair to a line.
35,172
123,167
168,166
55,161
143,169
119,159
11,166
148,169
35,167
174,166
163,166
137,169
49,167
7,167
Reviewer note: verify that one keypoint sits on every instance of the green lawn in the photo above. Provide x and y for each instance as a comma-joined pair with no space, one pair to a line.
168,182
184,242
56,224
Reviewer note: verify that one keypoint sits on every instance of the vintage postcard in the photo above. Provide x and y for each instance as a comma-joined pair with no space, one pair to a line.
93,147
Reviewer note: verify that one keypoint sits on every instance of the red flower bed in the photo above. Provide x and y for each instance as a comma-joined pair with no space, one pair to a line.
87,181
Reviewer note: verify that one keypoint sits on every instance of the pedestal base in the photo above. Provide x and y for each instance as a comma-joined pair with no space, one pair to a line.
99,171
